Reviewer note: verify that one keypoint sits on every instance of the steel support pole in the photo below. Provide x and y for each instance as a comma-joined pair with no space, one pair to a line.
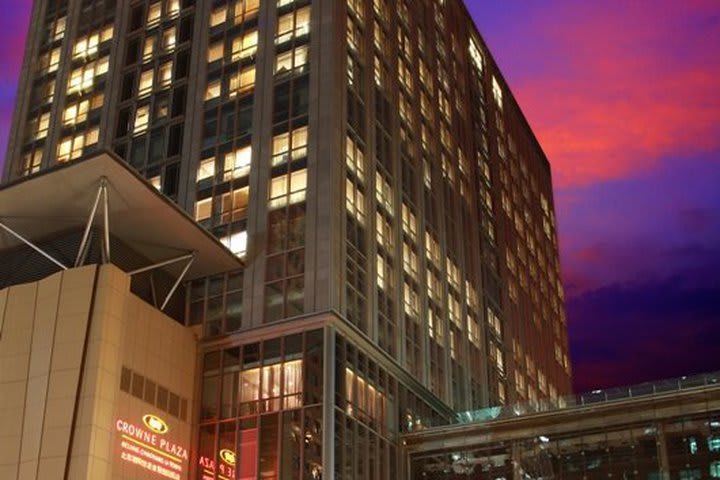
177,282
86,235
32,245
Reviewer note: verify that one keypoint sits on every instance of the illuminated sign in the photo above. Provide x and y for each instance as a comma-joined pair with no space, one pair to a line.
227,466
156,424
228,457
147,447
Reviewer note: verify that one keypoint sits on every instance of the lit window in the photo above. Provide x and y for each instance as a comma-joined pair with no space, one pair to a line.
383,193
269,384
206,169
218,16
409,221
497,93
50,61
355,201
291,60
142,117
148,48
363,399
83,78
203,209
146,83
41,124
237,243
245,10
245,46
242,82
293,24
234,205
32,161
291,145
71,148
213,90
155,182
476,55
168,39
165,74
237,163
154,12
354,158
76,113
288,189
173,8
216,52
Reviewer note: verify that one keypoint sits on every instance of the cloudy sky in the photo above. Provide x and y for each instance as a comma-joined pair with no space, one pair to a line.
624,96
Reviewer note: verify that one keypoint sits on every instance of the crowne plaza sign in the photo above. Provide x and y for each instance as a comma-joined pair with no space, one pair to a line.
145,445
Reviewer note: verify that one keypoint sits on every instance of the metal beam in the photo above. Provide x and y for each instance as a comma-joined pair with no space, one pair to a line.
86,235
32,245
162,264
177,282
106,217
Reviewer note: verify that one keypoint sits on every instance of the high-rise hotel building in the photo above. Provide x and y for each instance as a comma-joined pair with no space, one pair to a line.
390,208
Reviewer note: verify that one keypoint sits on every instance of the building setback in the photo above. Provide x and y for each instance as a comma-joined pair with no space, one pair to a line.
370,167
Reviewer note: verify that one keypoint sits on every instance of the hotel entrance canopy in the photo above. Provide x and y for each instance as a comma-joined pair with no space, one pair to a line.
68,196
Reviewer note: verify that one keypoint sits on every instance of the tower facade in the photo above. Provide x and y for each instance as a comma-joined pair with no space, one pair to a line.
369,164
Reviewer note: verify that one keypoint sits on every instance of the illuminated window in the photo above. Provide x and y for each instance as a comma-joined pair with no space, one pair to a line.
206,169
355,201
71,148
32,162
213,90
234,205
57,28
148,48
290,146
410,260
237,163
291,60
356,7
271,387
77,112
354,36
216,51
384,193
165,74
173,8
203,209
154,13
245,10
142,117
146,83
242,82
476,55
41,125
237,243
155,182
168,39
293,24
245,46
497,93
218,16
354,158
363,399
83,78
49,62
409,221
288,189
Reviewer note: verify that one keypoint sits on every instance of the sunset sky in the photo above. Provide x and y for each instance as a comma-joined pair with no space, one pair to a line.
624,97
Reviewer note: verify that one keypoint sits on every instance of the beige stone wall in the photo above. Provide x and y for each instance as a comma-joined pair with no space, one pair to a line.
44,327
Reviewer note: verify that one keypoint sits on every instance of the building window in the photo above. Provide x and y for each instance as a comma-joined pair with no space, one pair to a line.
242,82
234,205
83,78
293,24
288,189
497,93
71,148
237,163
78,112
245,46
292,61
88,45
142,118
146,83
216,51
32,162
290,146
236,243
